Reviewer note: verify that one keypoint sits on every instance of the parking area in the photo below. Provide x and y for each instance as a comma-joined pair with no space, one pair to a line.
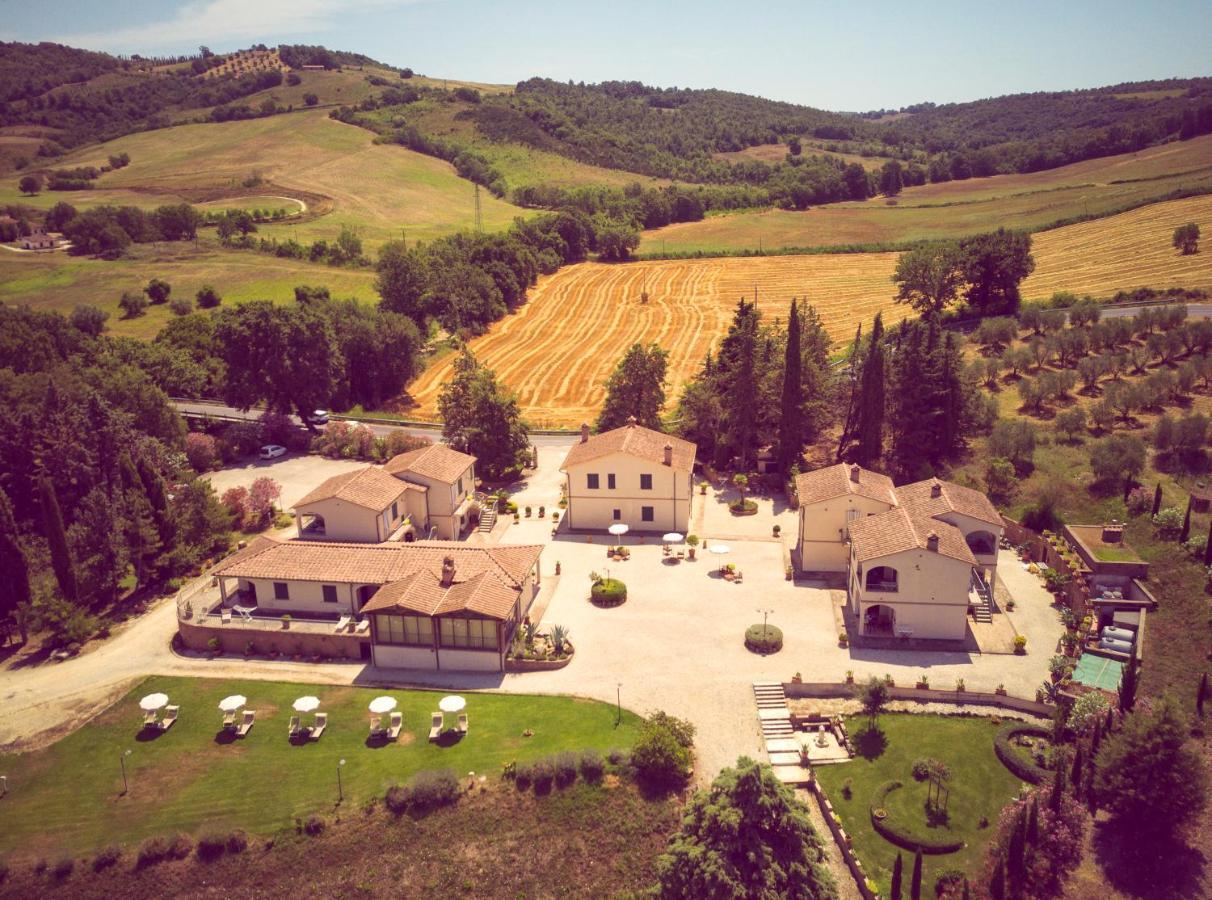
297,473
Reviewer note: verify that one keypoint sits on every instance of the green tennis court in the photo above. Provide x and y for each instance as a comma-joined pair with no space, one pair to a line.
1098,671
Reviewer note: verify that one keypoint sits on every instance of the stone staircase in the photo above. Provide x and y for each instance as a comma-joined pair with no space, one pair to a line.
773,714
984,600
488,518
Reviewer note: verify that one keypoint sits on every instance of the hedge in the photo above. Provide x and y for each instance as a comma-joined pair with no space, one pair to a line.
890,832
764,638
608,592
1012,760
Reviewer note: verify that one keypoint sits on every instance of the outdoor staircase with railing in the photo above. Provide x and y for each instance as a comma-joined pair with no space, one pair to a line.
773,714
488,518
984,600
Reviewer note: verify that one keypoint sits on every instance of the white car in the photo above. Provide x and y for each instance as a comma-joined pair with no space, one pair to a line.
272,451
318,417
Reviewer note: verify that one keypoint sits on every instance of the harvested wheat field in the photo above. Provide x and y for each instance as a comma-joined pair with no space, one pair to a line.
557,351
1123,252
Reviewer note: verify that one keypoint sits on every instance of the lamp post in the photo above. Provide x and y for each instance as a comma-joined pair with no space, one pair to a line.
618,699
765,615
125,783
340,790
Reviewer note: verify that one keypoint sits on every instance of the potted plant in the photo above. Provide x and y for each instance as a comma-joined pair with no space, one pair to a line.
286,620
528,511
542,512
843,639
797,678
692,541
923,683
1020,644
1000,690
959,685
212,647
777,529
849,676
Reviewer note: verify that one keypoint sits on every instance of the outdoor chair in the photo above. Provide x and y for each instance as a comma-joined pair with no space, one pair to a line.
229,719
681,554
376,726
170,716
666,550
397,722
343,623
321,724
462,723
738,577
435,726
247,724
294,726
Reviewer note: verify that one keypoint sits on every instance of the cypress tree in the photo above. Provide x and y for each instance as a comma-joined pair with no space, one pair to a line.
14,568
897,873
915,886
1201,694
997,882
1016,853
1208,547
791,423
871,399
56,537
1128,682
1058,790
1186,532
1033,823
967,892
1075,774
1157,500
848,428
157,497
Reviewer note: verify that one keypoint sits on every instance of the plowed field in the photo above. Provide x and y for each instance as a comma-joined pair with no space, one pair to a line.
559,349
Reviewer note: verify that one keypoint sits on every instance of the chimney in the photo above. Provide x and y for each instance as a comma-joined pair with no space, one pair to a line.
448,570
584,432
855,472
669,454
936,489
631,421
932,542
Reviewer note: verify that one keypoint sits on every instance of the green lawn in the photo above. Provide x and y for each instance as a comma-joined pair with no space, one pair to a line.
980,786
68,797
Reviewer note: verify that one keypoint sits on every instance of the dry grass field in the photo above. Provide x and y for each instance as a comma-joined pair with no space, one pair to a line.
377,188
558,350
954,208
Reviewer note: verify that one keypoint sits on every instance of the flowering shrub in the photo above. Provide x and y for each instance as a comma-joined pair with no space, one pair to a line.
1168,522
235,501
201,450
1139,500
261,497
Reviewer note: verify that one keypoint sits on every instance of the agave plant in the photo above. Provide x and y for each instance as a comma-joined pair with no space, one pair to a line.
559,635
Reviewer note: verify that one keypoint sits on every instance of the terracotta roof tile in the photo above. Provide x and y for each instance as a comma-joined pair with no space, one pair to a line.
898,529
371,488
951,498
836,481
487,580
633,440
437,461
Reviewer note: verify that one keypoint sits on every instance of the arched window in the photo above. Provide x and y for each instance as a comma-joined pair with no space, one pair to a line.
881,578
982,543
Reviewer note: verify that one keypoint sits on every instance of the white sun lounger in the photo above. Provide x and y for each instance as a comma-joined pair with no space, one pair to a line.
294,726
462,723
321,724
246,726
376,726
149,718
170,716
435,726
342,623
397,722
229,719
363,626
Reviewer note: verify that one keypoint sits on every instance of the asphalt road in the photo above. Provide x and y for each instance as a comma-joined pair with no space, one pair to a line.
433,432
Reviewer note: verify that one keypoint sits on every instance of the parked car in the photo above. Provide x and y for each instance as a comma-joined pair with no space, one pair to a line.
319,417
272,451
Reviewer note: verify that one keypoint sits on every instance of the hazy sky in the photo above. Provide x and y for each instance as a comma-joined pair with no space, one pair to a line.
834,55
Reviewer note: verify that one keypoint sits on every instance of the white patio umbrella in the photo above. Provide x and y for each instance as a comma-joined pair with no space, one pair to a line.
719,549
307,704
380,705
232,703
672,538
618,529
152,702
452,704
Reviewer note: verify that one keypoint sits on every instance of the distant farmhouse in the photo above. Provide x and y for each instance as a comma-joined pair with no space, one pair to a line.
633,475
39,239
914,556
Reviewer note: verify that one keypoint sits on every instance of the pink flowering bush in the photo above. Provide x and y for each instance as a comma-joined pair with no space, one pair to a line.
235,501
201,450
261,497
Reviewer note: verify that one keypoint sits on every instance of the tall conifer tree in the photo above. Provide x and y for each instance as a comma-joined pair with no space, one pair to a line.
791,421
56,537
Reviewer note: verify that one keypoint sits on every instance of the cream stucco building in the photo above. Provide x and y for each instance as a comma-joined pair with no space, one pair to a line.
365,505
431,605
914,556
447,480
633,475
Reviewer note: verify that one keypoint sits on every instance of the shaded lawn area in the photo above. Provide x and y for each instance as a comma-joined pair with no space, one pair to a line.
980,786
68,797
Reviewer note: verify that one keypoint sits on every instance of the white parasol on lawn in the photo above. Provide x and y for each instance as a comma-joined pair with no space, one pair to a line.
618,529
307,704
232,703
153,702
452,704
672,538
381,705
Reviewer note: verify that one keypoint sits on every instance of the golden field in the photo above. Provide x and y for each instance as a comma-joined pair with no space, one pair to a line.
557,351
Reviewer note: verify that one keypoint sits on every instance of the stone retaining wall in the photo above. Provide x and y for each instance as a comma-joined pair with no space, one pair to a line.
843,841
826,690
286,641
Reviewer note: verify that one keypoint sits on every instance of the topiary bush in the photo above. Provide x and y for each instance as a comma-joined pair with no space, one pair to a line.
433,788
764,638
608,592
592,766
542,775
1014,761
565,765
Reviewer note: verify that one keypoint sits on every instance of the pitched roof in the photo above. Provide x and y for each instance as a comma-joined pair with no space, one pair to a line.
437,461
836,481
898,529
634,440
370,487
919,497
487,580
